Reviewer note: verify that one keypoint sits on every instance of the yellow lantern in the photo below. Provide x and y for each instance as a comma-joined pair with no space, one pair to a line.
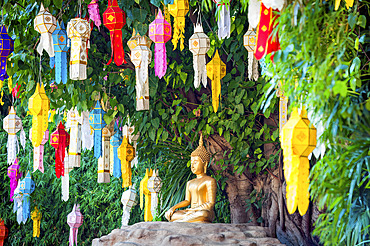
298,141
39,106
216,70
126,154
36,216
145,191
178,10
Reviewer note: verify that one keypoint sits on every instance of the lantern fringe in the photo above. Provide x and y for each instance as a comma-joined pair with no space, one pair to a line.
178,32
61,67
160,59
224,22
93,9
65,187
87,132
252,67
22,138
46,42
125,216
216,91
200,70
13,148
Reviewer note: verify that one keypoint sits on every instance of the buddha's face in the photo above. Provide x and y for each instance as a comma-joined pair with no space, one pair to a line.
197,165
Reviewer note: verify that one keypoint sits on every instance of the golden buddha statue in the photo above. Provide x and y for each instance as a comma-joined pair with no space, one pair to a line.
200,192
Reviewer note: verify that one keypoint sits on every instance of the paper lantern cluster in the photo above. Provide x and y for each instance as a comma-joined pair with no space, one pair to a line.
298,141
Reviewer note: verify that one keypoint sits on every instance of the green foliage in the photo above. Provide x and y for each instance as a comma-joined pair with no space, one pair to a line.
322,64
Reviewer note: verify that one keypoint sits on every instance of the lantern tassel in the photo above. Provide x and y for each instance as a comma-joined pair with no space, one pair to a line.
200,71
13,148
97,143
13,186
178,32
216,91
22,138
224,22
93,9
160,59
252,67
26,206
46,42
65,187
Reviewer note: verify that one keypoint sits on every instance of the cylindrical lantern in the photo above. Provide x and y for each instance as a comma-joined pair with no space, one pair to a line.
14,175
3,232
97,123
74,121
12,124
128,131
128,200
126,153
87,132
178,10
115,162
154,186
104,162
39,106
223,18
45,23
114,19
160,33
74,220
93,8
250,45
6,48
78,30
60,141
60,48
141,56
144,191
298,141
36,216
27,186
199,45
216,70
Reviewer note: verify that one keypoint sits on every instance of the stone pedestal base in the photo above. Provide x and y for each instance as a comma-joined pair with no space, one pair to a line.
186,234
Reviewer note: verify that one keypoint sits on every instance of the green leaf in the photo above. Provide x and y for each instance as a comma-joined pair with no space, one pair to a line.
155,123
352,17
362,21
58,3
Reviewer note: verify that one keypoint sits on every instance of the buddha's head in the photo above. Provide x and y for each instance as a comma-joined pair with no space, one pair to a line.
200,158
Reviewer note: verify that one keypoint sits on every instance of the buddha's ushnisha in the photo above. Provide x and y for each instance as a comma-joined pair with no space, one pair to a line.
200,192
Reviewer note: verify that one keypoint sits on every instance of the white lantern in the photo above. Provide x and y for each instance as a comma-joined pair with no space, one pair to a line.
154,186
104,160
250,44
74,121
128,200
45,24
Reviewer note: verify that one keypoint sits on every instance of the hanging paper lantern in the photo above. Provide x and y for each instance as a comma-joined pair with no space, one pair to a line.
6,48
3,232
14,175
36,216
283,105
17,207
45,24
87,132
199,45
38,152
60,48
93,9
216,70
266,41
74,121
39,106
141,57
114,19
115,162
27,186
65,177
250,45
12,124
128,200
60,141
97,122
144,191
154,186
126,154
128,131
136,40
223,18
104,160
78,30
74,220
178,10
298,141
160,33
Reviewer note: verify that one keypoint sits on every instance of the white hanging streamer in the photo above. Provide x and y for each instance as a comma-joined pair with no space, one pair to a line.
224,22
87,132
65,178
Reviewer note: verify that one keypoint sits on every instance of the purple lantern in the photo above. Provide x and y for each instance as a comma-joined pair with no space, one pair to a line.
74,220
14,175
160,33
6,48
93,8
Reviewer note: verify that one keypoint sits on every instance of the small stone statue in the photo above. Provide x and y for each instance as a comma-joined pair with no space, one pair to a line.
200,192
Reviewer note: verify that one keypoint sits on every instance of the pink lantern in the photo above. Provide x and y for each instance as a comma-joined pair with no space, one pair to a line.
74,220
14,175
38,152
93,8
160,33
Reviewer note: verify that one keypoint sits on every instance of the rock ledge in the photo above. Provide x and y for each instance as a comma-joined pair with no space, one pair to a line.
187,234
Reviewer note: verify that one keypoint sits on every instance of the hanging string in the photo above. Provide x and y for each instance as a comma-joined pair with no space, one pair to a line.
79,3
40,80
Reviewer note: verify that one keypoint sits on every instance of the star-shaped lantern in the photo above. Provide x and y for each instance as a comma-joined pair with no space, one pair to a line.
126,154
60,48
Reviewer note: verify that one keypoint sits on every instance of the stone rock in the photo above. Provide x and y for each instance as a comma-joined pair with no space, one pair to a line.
187,234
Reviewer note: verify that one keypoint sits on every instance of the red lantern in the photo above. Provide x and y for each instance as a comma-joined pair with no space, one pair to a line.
3,232
59,140
114,19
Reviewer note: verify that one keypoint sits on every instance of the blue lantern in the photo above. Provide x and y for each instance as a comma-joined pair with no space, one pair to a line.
115,142
60,49
97,123
27,186
6,48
